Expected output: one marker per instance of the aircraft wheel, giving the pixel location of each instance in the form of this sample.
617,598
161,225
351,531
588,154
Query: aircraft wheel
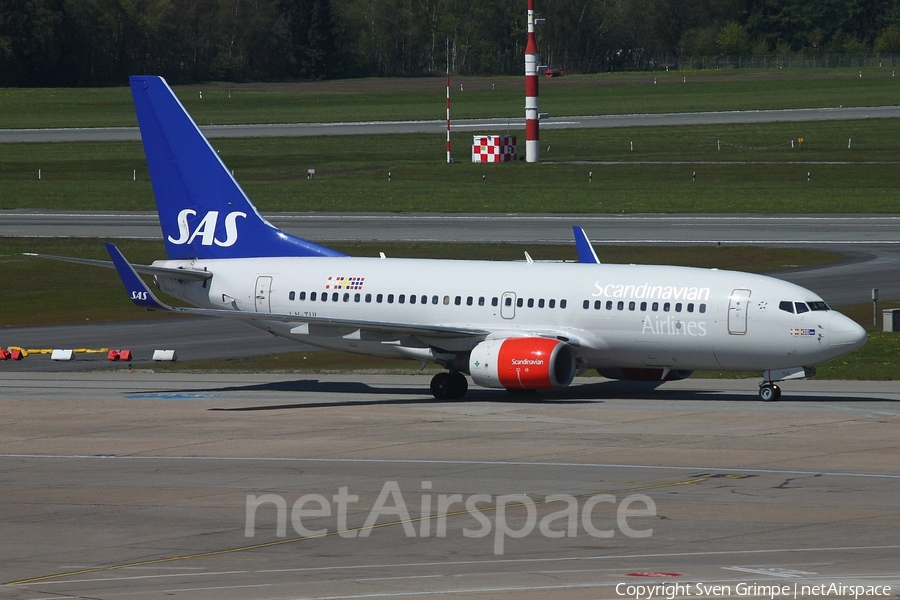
769,392
460,385
447,386
441,385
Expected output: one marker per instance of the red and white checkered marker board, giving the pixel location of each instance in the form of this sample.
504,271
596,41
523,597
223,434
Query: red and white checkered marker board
493,148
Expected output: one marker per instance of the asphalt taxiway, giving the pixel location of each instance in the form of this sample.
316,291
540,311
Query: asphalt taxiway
124,485
110,134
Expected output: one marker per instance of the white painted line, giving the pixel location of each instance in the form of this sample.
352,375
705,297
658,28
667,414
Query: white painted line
134,578
500,463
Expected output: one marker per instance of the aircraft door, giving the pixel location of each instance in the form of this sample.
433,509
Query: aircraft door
263,293
508,305
737,312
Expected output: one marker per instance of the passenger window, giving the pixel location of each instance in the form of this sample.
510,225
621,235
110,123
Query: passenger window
446,300
690,307
324,296
469,301
401,298
368,297
631,305
356,297
424,299
434,299
379,298
346,296
586,304
291,296
481,301
598,304
312,296
609,305
541,303
620,305
552,303
563,303
458,300
702,308
412,298
643,306
495,301
302,295
520,302
678,307
801,307
390,298
667,306
531,303
335,296
655,307
786,306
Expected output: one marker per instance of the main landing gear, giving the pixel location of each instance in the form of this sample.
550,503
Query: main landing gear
769,392
449,386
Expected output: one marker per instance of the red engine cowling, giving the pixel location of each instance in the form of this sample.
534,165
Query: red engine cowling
522,364
635,374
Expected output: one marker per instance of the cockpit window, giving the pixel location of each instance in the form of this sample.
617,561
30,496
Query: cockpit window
786,306
818,306
801,307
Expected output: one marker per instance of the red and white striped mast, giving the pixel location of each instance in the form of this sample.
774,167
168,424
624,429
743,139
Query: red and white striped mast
532,132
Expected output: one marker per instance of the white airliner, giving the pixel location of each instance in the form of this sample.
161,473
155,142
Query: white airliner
514,325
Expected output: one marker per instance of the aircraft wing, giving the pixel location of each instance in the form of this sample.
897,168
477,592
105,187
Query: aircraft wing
145,269
141,295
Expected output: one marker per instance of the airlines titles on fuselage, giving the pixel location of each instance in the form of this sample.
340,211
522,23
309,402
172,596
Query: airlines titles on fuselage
654,324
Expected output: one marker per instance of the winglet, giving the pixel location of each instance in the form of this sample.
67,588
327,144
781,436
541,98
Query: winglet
137,290
586,252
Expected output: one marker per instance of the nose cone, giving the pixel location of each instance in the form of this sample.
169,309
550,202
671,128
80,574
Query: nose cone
845,335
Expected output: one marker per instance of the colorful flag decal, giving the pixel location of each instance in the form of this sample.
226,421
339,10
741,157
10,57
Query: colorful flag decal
344,283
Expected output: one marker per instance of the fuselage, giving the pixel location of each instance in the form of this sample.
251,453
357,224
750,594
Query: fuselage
625,316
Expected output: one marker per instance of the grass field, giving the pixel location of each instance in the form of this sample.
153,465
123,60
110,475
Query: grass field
424,98
746,168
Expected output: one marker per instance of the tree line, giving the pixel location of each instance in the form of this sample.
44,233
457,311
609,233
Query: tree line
98,42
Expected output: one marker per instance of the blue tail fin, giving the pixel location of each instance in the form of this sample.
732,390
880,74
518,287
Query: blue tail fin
203,211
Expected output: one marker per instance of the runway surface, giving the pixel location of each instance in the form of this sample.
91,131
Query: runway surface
109,134
849,230
123,485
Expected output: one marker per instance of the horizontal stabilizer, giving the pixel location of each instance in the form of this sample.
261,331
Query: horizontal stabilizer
183,274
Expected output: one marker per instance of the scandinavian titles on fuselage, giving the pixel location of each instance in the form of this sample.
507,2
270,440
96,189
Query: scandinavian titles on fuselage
650,291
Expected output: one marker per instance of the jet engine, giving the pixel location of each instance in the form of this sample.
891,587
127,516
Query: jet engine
635,374
526,363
